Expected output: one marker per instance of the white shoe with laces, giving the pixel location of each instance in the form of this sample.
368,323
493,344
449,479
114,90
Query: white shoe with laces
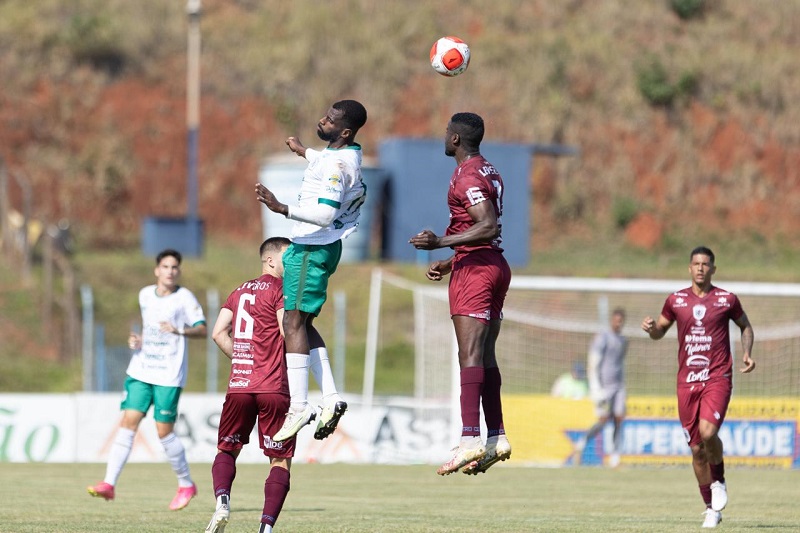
220,517
713,518
497,449
467,451
295,420
719,495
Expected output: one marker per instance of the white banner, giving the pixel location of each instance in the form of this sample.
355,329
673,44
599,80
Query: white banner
80,427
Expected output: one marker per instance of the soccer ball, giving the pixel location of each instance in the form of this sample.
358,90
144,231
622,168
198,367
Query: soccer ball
450,56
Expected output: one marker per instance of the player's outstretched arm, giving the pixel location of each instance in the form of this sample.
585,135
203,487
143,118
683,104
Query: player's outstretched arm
747,344
296,146
266,197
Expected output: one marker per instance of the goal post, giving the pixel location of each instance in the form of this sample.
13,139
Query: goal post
548,325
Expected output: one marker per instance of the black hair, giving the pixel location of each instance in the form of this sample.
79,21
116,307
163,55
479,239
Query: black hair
169,252
273,244
354,114
702,250
470,128
618,311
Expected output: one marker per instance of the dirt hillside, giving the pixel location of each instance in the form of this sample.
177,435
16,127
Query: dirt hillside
93,106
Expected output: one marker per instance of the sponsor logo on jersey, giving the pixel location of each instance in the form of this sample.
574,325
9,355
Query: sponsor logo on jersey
722,301
245,371
697,360
702,375
475,196
335,179
694,347
270,444
238,383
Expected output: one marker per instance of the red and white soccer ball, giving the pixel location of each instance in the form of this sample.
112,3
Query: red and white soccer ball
450,56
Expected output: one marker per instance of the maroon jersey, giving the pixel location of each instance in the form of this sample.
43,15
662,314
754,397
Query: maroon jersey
704,348
258,361
474,181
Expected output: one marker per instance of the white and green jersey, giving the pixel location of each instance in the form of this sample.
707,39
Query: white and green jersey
162,359
333,177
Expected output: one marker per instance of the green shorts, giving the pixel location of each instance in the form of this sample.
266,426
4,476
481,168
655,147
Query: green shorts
306,269
139,396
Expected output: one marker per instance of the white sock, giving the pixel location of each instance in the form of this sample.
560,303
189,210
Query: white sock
265,528
323,375
177,458
297,369
118,454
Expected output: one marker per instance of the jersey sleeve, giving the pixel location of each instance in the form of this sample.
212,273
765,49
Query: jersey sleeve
230,303
194,313
667,311
278,297
311,154
471,190
737,310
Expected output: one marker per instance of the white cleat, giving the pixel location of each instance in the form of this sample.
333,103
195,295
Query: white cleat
295,420
466,452
220,517
719,495
329,418
497,449
713,518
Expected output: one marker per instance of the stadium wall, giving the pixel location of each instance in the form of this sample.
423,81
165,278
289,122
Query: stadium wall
65,428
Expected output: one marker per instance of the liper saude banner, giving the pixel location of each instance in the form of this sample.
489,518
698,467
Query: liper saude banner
542,430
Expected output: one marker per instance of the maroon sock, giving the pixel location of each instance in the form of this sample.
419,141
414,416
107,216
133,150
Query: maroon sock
718,471
471,388
275,490
705,492
223,471
492,406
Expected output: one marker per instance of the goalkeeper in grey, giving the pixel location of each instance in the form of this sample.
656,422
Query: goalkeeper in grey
606,373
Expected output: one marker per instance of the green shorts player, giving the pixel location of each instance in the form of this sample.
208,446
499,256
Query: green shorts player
157,375
328,209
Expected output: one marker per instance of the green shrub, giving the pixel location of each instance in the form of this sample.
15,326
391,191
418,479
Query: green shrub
93,39
687,9
655,84
624,210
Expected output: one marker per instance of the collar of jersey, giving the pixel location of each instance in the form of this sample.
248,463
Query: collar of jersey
354,146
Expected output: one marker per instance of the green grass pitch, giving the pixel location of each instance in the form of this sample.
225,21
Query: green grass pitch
385,499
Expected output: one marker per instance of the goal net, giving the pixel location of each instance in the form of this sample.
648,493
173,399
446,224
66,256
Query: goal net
548,326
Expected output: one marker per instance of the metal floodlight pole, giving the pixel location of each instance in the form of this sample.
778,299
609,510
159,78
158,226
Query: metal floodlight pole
193,103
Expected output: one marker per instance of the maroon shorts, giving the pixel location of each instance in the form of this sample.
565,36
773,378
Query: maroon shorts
478,284
239,414
707,401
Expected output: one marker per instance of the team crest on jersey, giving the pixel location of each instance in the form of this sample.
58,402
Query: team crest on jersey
335,179
699,312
